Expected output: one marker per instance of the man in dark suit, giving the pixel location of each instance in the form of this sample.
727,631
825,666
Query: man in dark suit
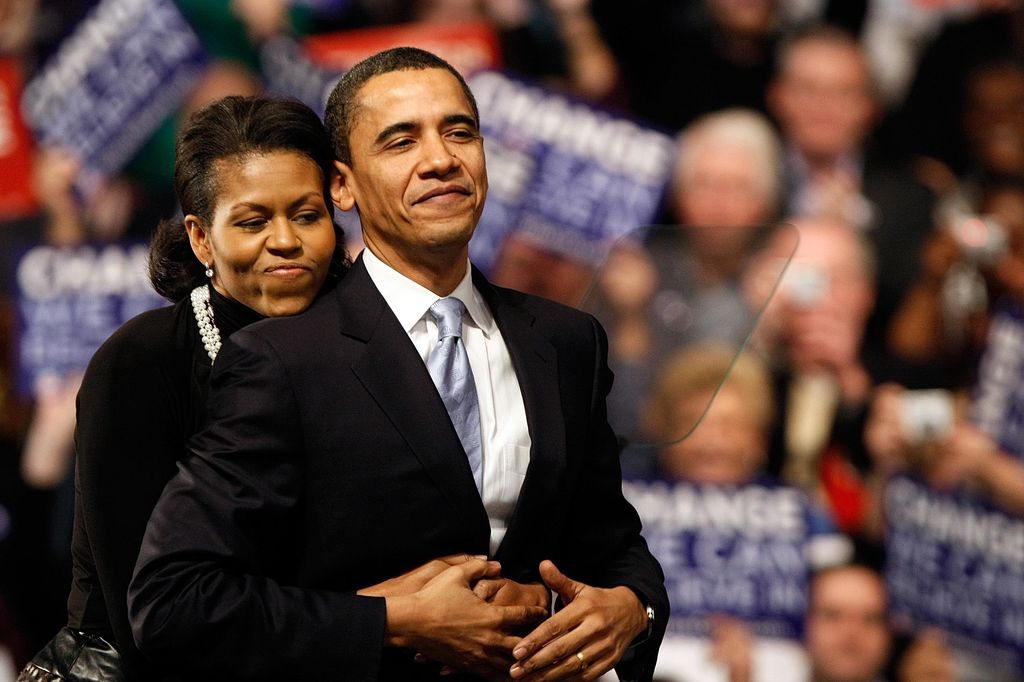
826,105
331,462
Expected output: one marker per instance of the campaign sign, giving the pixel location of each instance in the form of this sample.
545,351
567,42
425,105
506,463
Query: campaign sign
733,550
957,564
126,66
567,174
998,405
16,195
288,70
70,300
468,46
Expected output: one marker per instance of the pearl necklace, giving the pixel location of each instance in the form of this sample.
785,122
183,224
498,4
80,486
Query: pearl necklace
203,310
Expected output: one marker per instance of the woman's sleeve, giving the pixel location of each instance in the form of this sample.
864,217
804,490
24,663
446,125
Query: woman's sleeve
128,436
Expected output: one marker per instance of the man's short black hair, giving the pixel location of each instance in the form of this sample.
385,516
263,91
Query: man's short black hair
342,103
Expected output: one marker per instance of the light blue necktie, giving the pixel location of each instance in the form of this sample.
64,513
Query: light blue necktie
448,365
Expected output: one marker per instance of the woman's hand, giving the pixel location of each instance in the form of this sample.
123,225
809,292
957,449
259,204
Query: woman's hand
414,580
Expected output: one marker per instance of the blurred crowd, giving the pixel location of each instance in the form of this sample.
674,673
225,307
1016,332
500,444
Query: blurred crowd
832,296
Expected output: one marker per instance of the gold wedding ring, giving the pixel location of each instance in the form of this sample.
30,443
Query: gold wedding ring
582,659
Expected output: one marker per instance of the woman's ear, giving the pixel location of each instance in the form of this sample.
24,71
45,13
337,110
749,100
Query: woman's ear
341,186
199,238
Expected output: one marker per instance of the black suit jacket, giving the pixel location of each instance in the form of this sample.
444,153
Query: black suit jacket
329,463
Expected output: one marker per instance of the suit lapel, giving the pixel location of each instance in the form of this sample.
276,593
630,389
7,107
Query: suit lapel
395,376
536,364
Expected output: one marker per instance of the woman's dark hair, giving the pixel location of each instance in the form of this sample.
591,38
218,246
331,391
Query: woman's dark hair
232,128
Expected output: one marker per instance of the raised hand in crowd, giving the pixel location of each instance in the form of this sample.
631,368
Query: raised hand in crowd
884,433
928,659
627,283
732,645
593,71
956,454
828,340
71,219
969,456
16,24
49,443
262,18
54,172
916,331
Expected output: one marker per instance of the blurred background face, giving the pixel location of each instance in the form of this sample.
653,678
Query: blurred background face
721,185
847,633
822,98
745,17
727,446
825,290
995,119
720,197
526,266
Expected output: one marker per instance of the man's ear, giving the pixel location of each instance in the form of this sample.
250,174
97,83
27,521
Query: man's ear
199,238
341,186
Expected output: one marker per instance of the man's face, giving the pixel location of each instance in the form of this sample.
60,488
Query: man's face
721,186
824,298
720,198
417,175
822,99
847,633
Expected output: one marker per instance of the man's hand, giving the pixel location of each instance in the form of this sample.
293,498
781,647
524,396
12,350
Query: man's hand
414,579
446,622
583,640
505,592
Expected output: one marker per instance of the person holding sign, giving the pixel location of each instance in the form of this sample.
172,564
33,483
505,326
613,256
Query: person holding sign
416,410
737,547
257,240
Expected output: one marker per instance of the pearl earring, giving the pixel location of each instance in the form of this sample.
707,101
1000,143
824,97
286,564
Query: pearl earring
209,271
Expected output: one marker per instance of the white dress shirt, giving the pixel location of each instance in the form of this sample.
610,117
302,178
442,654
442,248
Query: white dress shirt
506,441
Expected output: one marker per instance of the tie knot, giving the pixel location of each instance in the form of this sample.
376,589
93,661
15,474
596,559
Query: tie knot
448,314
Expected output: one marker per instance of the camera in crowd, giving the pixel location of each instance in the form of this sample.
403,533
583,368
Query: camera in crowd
805,284
927,415
982,238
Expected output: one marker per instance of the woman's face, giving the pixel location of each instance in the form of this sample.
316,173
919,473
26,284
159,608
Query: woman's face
272,238
726,448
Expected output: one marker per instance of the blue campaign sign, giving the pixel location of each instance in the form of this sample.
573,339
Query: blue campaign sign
734,550
288,71
572,177
126,66
958,564
998,405
70,300
569,175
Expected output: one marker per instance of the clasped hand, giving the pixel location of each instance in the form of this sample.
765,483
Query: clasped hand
586,638
459,611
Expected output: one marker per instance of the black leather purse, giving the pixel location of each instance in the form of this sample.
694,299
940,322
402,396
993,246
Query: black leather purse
73,656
